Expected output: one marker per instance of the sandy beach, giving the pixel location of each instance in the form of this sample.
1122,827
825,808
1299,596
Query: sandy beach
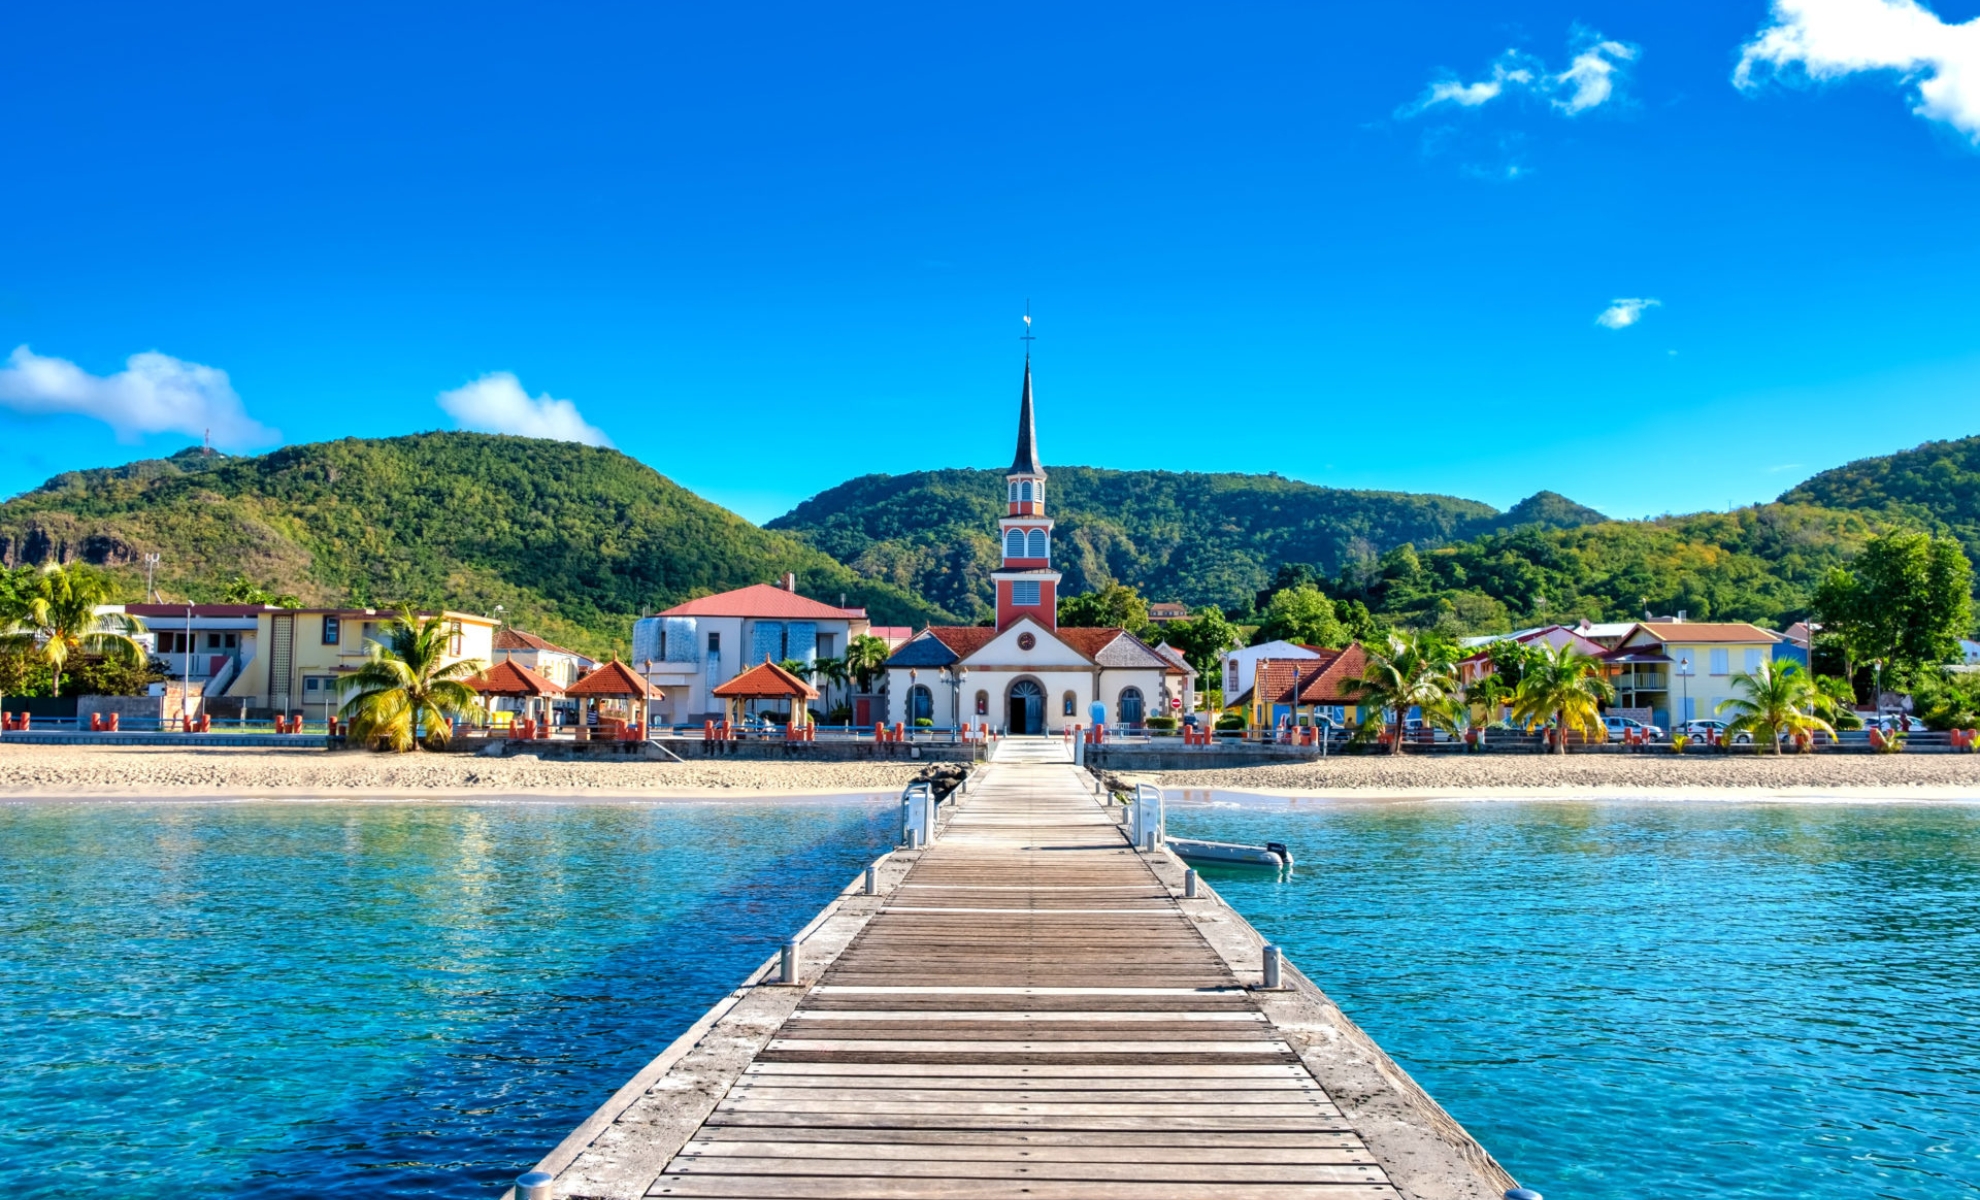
1908,776
138,771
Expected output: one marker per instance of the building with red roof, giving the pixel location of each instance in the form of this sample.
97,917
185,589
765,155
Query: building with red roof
1024,674
696,646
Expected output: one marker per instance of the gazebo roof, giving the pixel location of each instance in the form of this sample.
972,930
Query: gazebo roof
512,679
766,682
614,678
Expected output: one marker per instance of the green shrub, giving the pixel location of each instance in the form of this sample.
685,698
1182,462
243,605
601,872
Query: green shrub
1160,724
924,723
1233,722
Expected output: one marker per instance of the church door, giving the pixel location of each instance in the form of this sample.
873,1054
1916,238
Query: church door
1027,714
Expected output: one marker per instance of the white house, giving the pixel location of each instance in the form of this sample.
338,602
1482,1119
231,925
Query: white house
692,648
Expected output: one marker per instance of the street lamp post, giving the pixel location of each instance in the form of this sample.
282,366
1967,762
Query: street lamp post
961,674
1684,685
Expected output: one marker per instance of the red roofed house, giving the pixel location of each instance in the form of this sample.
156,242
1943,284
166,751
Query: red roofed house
1026,675
691,648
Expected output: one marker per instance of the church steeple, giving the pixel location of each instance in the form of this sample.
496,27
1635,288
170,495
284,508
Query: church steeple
1026,460
1027,586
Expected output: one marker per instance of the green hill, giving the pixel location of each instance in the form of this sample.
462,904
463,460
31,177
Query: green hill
1933,485
1198,538
574,541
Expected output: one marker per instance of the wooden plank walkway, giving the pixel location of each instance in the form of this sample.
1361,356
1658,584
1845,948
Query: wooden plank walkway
1028,1016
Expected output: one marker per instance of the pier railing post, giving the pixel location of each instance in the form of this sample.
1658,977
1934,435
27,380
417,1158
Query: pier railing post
1189,884
872,881
1271,965
788,969
534,1185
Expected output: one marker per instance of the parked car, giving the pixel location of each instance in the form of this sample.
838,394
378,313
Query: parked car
1618,725
1703,728
1891,722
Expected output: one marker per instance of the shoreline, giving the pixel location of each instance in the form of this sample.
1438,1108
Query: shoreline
71,773
1906,794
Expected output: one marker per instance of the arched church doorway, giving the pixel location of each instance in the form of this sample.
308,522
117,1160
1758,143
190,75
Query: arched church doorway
1027,707
1130,706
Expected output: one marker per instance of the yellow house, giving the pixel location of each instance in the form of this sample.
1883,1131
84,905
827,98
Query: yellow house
1669,672
302,654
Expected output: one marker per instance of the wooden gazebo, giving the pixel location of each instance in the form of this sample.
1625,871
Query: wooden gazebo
517,682
616,681
767,682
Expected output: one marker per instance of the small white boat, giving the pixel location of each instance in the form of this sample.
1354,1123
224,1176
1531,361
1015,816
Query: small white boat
1271,854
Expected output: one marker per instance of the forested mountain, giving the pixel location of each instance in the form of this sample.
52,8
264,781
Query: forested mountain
574,541
1199,538
1756,564
1937,483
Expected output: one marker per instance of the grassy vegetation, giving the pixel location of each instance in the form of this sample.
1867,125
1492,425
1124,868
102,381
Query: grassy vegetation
572,540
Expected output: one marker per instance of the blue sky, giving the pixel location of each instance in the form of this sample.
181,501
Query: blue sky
765,248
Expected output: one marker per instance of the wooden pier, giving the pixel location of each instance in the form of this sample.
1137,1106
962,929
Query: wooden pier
1029,1012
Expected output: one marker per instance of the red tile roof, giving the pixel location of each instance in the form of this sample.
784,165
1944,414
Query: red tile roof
767,681
963,640
614,679
507,638
761,600
1329,679
1090,642
513,679
1337,681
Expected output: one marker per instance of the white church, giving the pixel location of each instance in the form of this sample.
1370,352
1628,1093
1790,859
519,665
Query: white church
1026,675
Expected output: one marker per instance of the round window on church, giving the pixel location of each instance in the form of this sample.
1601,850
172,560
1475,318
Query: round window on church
1026,641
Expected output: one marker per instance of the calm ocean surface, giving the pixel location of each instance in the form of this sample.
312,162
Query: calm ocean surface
1620,1000
1633,1000
290,1000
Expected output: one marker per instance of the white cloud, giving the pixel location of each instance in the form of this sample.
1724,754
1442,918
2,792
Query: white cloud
154,393
1589,81
496,403
1621,314
1828,39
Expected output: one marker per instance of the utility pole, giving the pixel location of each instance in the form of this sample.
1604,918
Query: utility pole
150,570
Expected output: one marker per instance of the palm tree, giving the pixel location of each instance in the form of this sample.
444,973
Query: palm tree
1564,686
57,618
865,656
1835,702
406,692
1775,700
1406,676
1490,693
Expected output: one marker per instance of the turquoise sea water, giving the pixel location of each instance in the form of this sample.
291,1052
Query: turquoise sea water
290,1000
1631,1000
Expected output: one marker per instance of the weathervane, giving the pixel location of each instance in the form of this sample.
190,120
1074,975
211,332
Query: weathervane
1026,337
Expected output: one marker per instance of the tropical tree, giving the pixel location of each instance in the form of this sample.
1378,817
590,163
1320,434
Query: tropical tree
1566,687
1835,702
406,693
54,618
866,655
1406,675
1116,606
1489,693
1779,699
1904,603
1304,615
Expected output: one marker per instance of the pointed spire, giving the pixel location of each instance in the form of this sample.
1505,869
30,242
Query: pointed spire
1026,461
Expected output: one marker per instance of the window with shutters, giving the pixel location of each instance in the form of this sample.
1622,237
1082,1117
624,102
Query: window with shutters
1753,660
1721,662
332,630
1024,593
1014,544
1037,544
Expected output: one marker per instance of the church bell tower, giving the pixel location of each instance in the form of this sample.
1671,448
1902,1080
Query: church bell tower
1027,586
